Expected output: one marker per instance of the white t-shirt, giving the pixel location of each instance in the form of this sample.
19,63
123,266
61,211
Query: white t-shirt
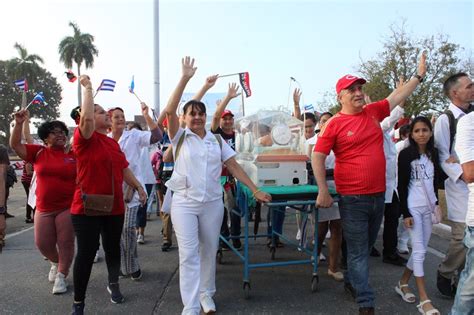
421,180
465,149
146,168
198,168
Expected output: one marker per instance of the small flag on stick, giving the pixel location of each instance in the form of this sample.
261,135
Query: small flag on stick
38,99
309,108
70,76
245,83
107,85
131,89
22,84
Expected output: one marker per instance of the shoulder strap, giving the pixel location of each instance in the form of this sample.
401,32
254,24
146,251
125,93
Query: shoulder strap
178,146
452,128
219,139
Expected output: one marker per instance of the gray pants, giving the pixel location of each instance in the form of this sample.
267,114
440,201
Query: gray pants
456,256
128,243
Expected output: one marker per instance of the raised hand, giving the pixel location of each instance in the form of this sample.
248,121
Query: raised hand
297,96
422,65
145,109
211,80
188,69
85,81
21,116
233,90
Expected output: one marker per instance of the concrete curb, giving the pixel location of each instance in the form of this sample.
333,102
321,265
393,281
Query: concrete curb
442,230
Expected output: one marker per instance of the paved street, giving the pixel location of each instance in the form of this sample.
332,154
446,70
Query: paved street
24,288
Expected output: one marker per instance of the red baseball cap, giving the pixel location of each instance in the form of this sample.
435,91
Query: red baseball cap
346,81
226,112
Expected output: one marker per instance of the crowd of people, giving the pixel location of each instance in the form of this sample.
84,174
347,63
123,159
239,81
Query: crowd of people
101,183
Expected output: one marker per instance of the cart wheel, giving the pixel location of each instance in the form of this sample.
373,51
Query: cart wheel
314,283
220,257
272,251
246,290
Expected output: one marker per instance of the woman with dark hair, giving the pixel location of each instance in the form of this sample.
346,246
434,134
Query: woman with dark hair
132,142
55,167
418,170
197,206
101,170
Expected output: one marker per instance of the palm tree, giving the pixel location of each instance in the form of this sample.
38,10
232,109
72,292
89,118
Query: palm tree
26,66
79,49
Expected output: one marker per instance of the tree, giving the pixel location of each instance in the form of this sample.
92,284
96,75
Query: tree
10,98
80,49
399,58
26,66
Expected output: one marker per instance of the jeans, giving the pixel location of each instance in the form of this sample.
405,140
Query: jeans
464,300
276,218
142,209
88,231
361,218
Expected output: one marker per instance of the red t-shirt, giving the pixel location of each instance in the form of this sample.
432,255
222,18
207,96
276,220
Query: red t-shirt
97,158
55,176
357,142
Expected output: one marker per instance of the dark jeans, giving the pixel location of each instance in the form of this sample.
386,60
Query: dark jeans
234,224
276,219
390,229
361,218
141,213
29,209
88,230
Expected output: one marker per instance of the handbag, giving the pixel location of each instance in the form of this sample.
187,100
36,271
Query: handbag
436,214
98,204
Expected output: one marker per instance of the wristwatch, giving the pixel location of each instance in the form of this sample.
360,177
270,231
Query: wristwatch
419,77
3,210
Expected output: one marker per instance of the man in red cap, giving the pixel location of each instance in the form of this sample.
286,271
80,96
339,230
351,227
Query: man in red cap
355,136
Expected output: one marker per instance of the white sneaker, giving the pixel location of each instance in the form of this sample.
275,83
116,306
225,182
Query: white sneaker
141,239
322,257
60,285
298,235
96,258
52,272
207,303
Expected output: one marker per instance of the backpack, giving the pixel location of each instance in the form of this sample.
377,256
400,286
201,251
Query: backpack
11,176
452,133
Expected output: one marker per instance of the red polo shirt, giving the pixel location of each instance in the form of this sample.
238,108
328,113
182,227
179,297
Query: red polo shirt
97,158
55,176
357,142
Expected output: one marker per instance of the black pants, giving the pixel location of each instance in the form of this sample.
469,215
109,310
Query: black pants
88,230
29,209
390,236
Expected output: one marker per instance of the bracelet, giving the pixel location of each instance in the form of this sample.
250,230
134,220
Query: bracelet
253,195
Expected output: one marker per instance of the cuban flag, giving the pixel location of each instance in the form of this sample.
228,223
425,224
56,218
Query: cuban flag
39,99
107,85
22,84
309,108
132,85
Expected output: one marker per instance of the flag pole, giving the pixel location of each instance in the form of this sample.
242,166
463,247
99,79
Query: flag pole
243,105
96,92
23,99
29,104
137,97
227,75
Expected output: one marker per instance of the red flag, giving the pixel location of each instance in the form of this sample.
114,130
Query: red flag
245,83
71,76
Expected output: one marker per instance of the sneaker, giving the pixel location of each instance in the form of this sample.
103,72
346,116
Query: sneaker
97,257
116,296
322,257
141,239
60,285
350,289
402,249
53,272
298,235
29,220
445,286
237,244
207,303
165,247
374,252
137,275
394,259
78,308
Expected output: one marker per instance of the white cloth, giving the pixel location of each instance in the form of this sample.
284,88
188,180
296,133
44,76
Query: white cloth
421,180
197,170
146,169
390,152
465,150
132,142
400,145
420,234
456,189
197,226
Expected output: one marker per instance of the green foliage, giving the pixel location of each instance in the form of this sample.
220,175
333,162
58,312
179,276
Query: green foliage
11,97
78,49
399,58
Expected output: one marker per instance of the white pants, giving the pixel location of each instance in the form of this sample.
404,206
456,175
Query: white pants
403,235
197,226
420,234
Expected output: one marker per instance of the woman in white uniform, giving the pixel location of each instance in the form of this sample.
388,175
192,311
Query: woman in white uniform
197,207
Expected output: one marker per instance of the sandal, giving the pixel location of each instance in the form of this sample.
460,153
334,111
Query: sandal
408,296
432,311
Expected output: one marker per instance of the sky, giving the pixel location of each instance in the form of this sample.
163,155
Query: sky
316,42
